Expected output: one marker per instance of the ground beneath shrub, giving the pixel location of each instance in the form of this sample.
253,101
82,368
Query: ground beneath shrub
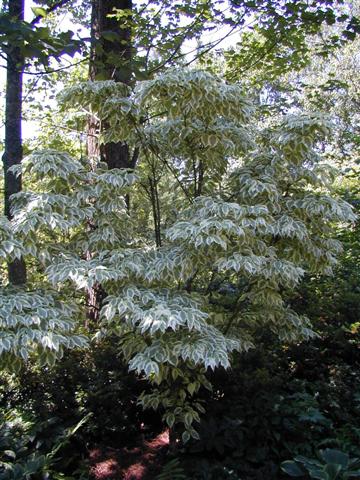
142,462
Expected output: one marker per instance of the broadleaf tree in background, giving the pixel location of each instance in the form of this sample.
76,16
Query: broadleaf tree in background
253,213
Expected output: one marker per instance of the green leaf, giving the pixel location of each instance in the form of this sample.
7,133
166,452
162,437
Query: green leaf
185,436
191,388
188,419
319,475
292,468
10,453
333,471
39,12
170,419
335,456
110,36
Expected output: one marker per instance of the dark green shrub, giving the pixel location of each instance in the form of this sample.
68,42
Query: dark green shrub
34,450
330,465
281,402
94,381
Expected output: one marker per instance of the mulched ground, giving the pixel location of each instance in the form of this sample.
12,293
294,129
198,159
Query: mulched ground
142,462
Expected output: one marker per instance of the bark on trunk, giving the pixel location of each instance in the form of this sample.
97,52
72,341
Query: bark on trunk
13,138
109,60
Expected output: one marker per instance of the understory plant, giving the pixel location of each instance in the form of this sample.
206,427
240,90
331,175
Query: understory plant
188,252
331,464
30,449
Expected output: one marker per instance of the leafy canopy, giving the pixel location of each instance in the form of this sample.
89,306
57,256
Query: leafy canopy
254,214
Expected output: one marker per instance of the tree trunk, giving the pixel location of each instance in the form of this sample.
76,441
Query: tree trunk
13,139
109,60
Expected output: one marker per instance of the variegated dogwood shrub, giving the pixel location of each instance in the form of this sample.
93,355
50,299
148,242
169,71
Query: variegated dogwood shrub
231,216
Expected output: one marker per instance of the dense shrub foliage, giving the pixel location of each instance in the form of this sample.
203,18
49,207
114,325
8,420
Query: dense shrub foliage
212,290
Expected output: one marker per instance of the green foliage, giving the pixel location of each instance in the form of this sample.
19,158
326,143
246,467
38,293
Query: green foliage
277,41
10,247
93,382
287,37
171,471
36,322
27,451
331,465
36,43
198,251
255,212
333,302
278,403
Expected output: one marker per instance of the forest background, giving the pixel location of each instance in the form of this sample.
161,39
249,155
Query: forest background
175,300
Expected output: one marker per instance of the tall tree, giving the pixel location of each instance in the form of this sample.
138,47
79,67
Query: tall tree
21,41
13,139
110,59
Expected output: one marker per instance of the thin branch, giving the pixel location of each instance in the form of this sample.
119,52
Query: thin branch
232,317
182,38
259,59
46,72
144,120
33,87
212,45
164,161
